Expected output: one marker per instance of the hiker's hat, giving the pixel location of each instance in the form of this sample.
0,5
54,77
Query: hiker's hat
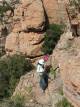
41,61
46,57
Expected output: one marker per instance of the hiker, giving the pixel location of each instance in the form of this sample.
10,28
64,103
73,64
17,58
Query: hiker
41,65
42,76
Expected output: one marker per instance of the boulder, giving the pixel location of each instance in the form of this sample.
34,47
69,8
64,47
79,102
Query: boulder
33,17
26,43
29,16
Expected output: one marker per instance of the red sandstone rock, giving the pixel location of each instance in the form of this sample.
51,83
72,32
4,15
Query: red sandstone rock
25,43
52,10
33,15
56,10
28,16
67,55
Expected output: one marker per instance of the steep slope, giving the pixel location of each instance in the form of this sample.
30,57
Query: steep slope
67,55
34,97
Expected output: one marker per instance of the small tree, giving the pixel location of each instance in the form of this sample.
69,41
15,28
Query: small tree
63,103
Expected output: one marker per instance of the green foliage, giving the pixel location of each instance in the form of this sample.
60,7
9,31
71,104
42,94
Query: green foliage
63,103
3,9
11,70
29,89
60,90
76,4
51,38
53,72
58,29
2,51
17,101
30,95
68,45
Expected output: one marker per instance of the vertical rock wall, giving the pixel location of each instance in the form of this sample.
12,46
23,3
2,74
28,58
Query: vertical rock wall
56,10
28,29
67,55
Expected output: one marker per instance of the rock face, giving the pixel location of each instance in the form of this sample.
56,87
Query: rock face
26,43
52,10
28,24
31,15
56,10
67,55
28,21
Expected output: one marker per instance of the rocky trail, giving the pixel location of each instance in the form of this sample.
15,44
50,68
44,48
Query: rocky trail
29,87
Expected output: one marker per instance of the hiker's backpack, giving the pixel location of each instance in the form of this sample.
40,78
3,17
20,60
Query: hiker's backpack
44,81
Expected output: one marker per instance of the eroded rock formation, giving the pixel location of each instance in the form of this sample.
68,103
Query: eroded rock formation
52,10
26,43
30,15
67,55
28,26
26,37
30,18
56,10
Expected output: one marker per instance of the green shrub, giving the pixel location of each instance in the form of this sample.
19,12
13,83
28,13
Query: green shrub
63,103
17,101
51,38
2,52
29,89
53,72
4,8
60,90
11,70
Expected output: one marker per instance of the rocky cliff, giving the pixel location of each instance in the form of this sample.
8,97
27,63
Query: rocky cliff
29,23
67,55
56,10
26,29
